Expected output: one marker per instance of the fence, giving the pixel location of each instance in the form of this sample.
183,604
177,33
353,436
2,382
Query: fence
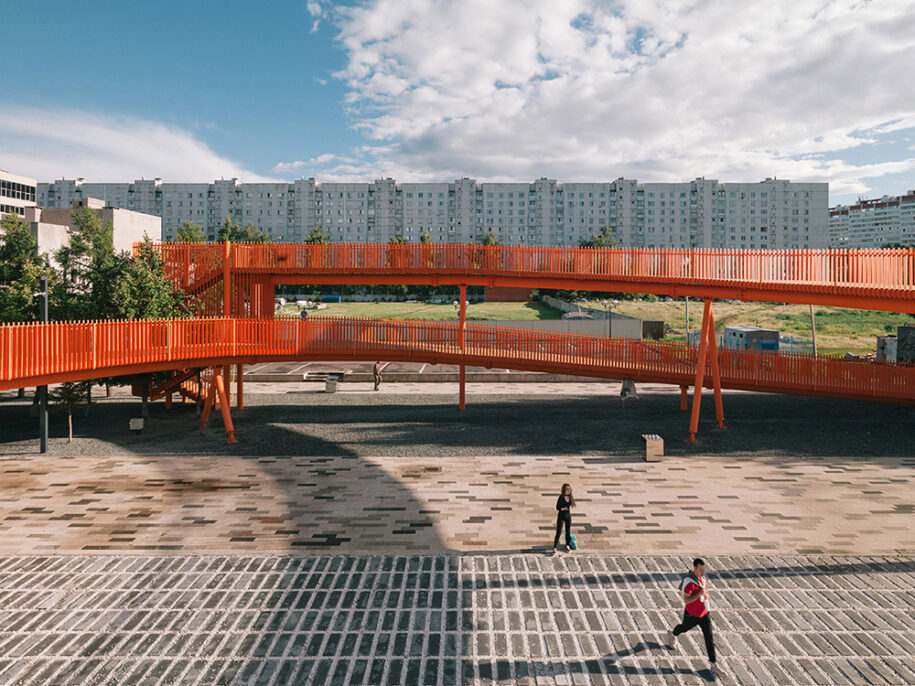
875,269
31,354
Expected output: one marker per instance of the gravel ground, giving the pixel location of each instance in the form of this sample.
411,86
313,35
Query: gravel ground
314,423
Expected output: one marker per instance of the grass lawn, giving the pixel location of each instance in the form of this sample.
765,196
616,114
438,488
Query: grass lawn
839,330
422,311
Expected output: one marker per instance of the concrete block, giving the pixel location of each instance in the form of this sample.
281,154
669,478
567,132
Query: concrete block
654,447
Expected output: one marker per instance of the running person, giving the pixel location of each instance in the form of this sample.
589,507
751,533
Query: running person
564,504
694,587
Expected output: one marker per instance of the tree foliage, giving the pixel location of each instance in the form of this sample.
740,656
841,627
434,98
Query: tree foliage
189,232
490,239
425,237
143,292
231,231
317,237
68,396
89,270
20,270
605,239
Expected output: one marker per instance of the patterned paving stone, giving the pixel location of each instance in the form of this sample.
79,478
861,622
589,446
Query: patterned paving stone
349,504
445,619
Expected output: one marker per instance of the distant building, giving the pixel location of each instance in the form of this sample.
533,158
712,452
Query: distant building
749,338
16,193
51,227
774,213
889,220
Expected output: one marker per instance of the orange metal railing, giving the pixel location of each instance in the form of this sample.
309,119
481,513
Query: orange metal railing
855,272
33,354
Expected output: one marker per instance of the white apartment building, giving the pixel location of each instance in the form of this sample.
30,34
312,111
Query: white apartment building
51,228
16,193
877,223
704,213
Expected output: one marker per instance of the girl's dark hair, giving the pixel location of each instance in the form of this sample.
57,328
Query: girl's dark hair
562,491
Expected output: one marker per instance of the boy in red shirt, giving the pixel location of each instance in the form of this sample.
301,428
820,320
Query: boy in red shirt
695,613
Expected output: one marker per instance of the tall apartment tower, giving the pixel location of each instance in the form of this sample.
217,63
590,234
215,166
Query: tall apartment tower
703,213
876,223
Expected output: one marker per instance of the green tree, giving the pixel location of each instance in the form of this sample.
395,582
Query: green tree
397,240
68,396
425,237
252,234
231,231
142,289
490,239
605,239
20,270
89,270
317,237
189,232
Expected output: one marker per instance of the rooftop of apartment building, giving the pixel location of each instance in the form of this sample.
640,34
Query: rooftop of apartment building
874,203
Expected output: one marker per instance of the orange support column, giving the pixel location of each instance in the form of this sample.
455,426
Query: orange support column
208,404
224,407
716,376
463,328
267,309
239,387
227,381
227,279
700,373
683,397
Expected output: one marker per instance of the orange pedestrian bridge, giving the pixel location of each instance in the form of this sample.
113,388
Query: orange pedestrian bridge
863,279
38,354
234,289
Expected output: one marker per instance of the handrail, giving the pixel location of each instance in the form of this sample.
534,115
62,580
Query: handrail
886,269
32,354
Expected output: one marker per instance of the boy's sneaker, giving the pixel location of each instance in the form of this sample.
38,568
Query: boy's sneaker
716,670
555,553
671,640
568,549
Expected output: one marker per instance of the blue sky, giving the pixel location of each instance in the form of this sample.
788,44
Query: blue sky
243,80
436,89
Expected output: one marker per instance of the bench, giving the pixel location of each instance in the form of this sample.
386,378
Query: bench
654,447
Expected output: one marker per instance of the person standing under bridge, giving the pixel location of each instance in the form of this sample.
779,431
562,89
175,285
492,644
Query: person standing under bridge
376,374
564,506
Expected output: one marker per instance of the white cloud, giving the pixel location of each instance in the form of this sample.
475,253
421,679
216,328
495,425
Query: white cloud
285,167
655,89
49,145
315,10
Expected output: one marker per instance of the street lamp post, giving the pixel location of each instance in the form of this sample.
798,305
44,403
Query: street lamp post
608,306
43,390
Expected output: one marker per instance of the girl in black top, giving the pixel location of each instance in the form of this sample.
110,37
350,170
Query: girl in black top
564,505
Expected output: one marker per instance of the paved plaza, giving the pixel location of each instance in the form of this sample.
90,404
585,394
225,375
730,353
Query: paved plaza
510,619
390,539
346,504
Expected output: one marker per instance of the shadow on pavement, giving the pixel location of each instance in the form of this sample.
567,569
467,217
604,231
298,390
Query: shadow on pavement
404,425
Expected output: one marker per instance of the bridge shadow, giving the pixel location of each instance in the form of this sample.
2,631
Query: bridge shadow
594,427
